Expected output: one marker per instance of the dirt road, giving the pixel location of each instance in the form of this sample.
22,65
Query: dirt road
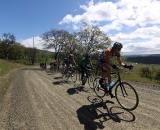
37,100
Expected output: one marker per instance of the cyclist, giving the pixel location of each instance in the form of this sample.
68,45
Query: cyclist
85,67
107,65
69,62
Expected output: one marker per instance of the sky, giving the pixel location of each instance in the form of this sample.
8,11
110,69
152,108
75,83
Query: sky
134,23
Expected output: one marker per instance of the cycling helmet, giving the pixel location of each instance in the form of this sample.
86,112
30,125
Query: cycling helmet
117,45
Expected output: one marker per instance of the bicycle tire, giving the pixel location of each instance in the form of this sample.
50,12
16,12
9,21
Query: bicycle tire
126,88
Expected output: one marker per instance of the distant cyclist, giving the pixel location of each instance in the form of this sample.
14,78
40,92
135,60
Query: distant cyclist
107,64
69,62
85,66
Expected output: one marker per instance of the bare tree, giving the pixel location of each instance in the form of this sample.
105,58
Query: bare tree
59,40
91,38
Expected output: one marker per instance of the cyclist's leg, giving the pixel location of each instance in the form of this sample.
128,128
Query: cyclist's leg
102,81
106,75
108,69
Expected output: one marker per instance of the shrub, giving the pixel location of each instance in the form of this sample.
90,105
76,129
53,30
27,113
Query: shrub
157,75
146,72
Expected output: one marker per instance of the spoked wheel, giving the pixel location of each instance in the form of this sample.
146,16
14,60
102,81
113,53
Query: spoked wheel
74,76
66,77
98,89
126,96
90,82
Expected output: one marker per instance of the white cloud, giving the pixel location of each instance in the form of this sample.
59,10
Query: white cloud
38,43
112,26
93,13
29,42
149,40
127,12
142,33
150,47
140,17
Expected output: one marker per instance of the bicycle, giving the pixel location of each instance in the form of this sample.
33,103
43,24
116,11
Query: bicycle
68,73
88,78
124,92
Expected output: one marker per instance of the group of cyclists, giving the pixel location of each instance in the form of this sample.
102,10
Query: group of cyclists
105,62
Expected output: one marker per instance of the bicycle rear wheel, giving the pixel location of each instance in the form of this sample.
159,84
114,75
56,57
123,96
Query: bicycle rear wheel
91,82
99,91
126,96
74,76
66,77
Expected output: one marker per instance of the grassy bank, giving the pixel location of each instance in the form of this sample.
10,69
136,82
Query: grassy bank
7,66
139,73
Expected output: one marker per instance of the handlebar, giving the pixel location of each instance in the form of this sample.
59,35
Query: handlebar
130,67
117,69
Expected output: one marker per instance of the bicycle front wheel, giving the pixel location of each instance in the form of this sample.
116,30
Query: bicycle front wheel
126,96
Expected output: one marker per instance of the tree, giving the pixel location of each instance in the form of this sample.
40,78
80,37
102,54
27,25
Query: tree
59,40
91,38
7,40
16,52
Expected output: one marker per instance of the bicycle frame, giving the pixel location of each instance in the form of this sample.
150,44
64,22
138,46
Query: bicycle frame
118,81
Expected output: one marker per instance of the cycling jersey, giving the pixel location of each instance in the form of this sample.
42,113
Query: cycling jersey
109,56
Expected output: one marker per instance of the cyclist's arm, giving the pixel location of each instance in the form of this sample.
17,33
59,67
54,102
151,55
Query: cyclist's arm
123,64
120,61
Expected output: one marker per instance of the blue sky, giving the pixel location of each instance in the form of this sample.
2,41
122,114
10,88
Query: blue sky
26,18
135,23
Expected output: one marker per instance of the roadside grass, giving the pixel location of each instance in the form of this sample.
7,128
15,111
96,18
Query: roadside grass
7,66
135,74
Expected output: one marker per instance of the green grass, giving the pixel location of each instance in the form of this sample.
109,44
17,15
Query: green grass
135,74
6,66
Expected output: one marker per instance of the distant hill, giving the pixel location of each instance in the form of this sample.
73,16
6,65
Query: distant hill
145,59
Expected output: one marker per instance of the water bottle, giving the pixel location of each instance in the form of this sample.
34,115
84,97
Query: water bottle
109,85
112,83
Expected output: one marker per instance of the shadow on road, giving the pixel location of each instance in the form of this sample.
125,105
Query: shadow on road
94,115
58,77
59,82
76,90
32,68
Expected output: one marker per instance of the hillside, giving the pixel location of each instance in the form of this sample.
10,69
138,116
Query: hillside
145,59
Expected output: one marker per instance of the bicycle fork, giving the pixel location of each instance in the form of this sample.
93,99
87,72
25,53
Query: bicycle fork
124,93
